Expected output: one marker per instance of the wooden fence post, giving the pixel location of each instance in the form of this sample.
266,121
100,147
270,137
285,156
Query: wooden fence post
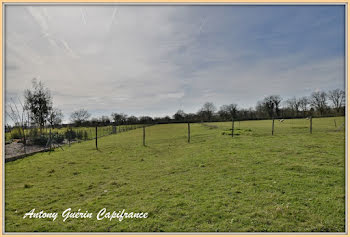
50,139
335,123
273,126
144,136
24,141
233,126
310,124
69,135
189,132
96,137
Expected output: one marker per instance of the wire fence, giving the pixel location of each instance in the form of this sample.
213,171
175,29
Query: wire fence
27,141
50,138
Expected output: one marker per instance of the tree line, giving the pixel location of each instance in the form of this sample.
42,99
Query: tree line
38,110
318,104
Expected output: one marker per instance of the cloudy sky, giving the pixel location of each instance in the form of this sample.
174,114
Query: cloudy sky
154,60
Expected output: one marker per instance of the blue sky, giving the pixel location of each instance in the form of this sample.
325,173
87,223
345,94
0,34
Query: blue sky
154,60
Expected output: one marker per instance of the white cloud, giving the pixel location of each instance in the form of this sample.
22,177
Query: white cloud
152,59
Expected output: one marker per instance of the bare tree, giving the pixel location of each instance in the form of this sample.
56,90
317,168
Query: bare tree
179,115
208,110
39,102
132,120
18,118
319,101
231,109
145,120
119,118
55,117
304,102
223,113
261,110
105,120
271,105
276,100
79,116
337,97
94,121
13,113
294,105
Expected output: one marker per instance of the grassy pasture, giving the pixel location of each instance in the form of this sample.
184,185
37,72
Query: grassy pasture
292,181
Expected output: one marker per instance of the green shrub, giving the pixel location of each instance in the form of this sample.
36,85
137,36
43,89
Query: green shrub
34,132
79,134
86,136
16,133
40,140
70,134
58,138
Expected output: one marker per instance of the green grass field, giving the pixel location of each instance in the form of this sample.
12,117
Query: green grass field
292,181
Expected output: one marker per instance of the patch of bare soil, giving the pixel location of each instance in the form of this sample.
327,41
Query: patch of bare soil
15,149
209,125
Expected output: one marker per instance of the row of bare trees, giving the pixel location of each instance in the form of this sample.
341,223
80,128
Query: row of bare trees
318,103
38,110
